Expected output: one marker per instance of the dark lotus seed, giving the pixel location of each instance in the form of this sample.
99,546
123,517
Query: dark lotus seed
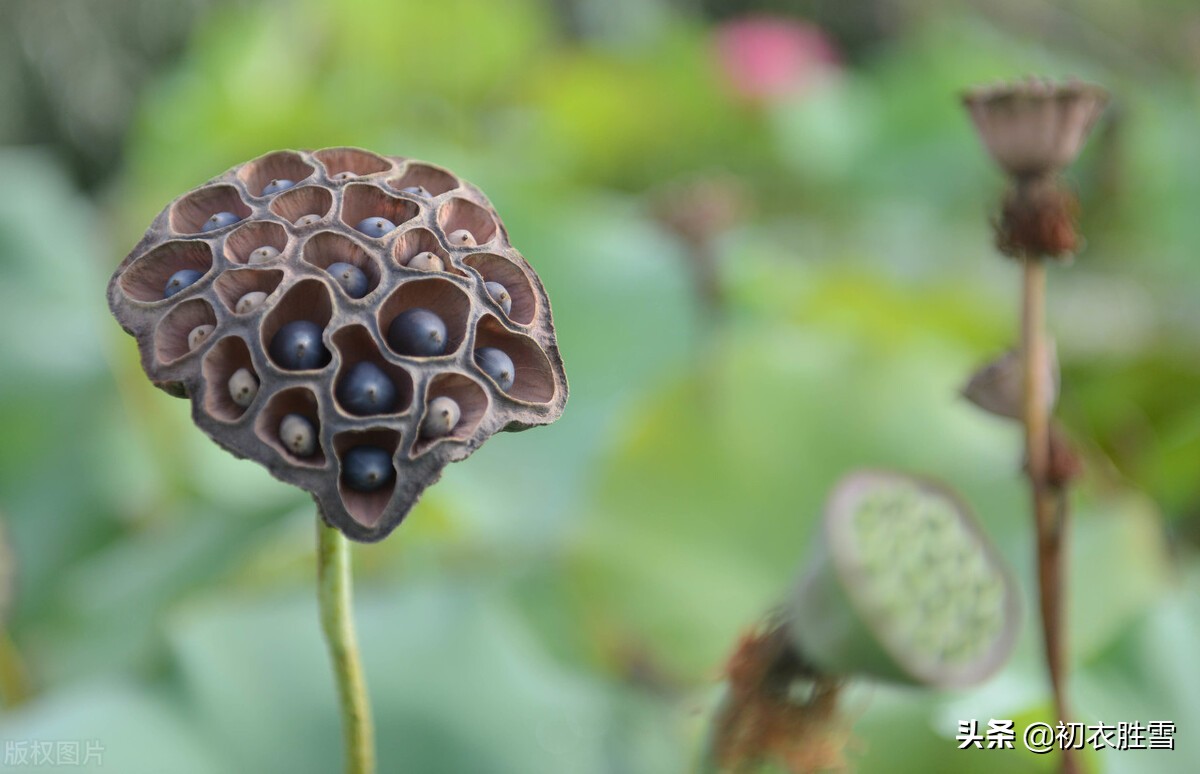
440,418
497,365
366,389
298,435
500,295
415,190
307,220
243,386
249,302
375,227
426,261
417,332
263,254
461,238
367,468
180,280
350,277
219,220
275,186
298,346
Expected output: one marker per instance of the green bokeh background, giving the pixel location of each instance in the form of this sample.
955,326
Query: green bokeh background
563,601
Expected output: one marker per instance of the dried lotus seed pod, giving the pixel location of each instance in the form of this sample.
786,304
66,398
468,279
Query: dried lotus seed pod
286,333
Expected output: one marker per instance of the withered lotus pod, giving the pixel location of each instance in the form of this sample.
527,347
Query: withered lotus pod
1034,128
312,226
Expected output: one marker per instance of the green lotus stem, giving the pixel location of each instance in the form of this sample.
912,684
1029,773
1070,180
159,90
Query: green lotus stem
337,621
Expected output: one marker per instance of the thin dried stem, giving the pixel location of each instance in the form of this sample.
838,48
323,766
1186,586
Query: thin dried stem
1049,504
337,621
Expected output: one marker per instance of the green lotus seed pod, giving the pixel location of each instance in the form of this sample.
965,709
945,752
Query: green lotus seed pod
243,386
199,335
426,261
264,253
461,238
249,302
298,435
440,418
903,585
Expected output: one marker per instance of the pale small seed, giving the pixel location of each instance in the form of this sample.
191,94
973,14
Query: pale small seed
441,417
298,435
250,302
264,253
462,238
199,335
426,261
243,387
307,220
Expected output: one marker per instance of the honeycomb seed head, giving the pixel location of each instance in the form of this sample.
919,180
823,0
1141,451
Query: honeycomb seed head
1035,127
903,586
283,332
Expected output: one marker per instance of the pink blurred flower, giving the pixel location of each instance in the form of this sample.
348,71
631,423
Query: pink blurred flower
764,58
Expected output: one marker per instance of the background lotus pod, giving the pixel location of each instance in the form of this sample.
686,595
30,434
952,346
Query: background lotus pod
903,586
1035,127
998,387
335,189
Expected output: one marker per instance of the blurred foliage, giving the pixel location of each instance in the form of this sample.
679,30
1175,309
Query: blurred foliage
563,600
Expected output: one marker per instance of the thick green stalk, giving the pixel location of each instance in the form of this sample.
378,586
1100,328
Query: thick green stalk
334,593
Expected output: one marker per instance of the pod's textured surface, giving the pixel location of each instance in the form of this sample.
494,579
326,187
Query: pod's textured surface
308,227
